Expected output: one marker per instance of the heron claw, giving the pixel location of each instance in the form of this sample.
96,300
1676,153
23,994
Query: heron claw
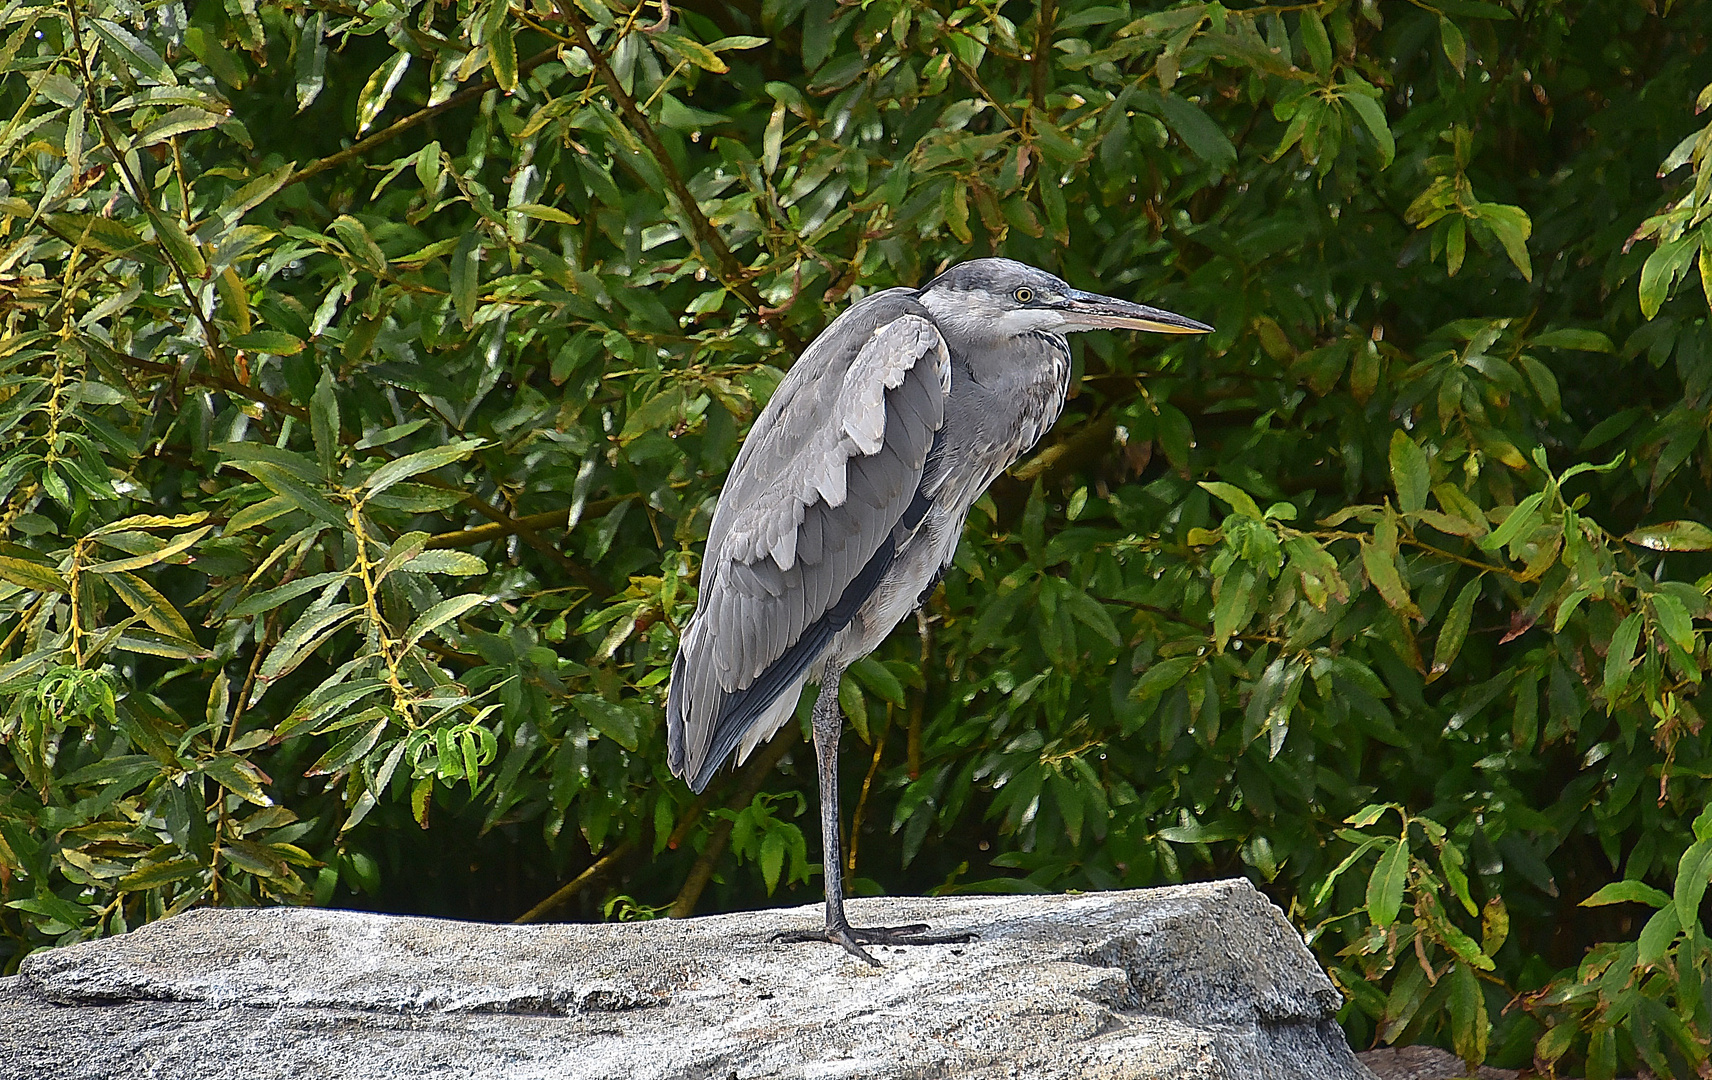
852,938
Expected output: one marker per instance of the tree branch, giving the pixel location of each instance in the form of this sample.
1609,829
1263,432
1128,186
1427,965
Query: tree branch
576,884
730,271
496,530
421,116
752,777
1041,61
867,788
719,837
141,193
973,78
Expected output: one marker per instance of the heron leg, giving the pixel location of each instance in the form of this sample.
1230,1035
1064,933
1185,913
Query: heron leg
828,726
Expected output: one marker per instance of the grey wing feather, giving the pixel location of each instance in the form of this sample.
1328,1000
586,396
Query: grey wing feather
826,474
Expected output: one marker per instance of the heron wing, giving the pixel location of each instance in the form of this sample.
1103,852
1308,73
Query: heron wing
804,529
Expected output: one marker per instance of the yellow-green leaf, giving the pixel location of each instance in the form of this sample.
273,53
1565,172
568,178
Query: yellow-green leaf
146,600
133,53
441,614
31,575
543,213
1674,620
1455,46
501,47
693,51
420,462
1693,871
257,514
1238,499
137,562
234,298
158,874
1620,656
177,122
284,482
238,776
1385,884
1382,571
378,90
180,248
276,342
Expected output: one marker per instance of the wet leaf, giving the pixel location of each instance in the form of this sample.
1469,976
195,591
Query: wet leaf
378,91
1455,629
1673,536
311,63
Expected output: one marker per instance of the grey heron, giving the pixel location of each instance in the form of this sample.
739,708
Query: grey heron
846,502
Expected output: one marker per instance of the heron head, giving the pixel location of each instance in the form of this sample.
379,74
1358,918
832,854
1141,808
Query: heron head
1003,298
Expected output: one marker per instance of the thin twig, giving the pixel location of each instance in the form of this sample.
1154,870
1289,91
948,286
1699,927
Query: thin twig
730,271
1093,434
421,116
1409,541
918,702
583,575
141,193
481,534
269,625
867,786
974,80
576,884
26,617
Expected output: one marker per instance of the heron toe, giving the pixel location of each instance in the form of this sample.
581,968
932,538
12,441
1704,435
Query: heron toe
852,938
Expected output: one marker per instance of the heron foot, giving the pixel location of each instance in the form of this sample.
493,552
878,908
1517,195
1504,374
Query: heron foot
852,938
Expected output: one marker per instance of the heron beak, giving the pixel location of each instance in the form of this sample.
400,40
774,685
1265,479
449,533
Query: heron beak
1091,311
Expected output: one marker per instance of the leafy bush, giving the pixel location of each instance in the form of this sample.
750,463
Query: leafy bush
368,373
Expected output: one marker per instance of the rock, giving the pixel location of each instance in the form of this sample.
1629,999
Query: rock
1196,982
1426,1063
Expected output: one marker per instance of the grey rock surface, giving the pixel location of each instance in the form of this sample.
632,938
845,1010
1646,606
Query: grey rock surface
1197,982
1426,1063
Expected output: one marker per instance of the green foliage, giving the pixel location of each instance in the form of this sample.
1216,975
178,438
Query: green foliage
368,374
758,835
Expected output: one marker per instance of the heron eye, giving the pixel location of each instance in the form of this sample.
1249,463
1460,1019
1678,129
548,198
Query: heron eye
1023,296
